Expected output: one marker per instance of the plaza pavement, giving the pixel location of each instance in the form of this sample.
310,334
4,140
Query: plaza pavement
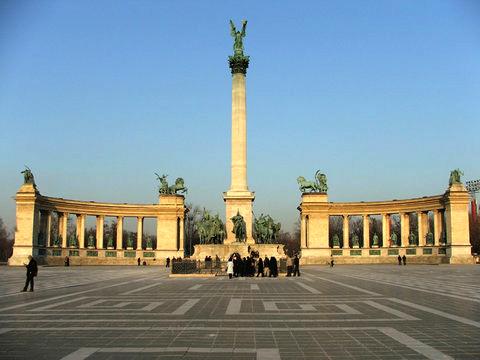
348,312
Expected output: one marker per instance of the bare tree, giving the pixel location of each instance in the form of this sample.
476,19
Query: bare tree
6,242
191,236
475,233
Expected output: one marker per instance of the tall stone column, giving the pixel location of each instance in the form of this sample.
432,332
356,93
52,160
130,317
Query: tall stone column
385,230
238,199
99,231
48,235
139,232
422,228
62,226
303,232
346,235
182,234
119,232
404,228
81,230
366,231
437,226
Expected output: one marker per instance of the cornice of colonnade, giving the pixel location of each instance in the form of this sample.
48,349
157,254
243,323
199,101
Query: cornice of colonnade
171,205
312,203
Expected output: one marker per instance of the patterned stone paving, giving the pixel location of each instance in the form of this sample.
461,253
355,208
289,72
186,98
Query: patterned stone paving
348,312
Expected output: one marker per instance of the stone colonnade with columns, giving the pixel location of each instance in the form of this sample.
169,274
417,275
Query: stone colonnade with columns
33,235
447,240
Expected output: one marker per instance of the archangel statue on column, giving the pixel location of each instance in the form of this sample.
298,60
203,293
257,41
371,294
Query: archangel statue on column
238,36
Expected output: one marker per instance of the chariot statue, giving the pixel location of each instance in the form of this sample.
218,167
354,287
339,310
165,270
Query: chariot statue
239,227
455,177
164,189
317,186
28,176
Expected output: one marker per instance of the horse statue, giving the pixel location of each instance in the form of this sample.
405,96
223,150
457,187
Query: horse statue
319,185
455,177
179,186
210,229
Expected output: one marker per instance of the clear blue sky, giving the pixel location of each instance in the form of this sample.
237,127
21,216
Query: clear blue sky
96,96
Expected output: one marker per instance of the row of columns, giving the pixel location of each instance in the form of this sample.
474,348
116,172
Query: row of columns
386,229
46,223
404,228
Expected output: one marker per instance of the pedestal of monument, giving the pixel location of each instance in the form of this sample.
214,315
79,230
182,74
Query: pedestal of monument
224,251
239,202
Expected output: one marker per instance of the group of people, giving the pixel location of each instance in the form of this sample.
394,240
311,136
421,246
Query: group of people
251,266
402,259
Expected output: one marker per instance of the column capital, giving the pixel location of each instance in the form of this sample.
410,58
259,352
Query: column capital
238,64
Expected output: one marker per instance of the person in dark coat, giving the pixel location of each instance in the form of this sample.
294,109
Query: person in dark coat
32,271
236,266
67,261
138,261
273,267
296,266
404,258
399,258
168,262
260,267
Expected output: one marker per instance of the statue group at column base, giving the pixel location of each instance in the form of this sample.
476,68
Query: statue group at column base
224,251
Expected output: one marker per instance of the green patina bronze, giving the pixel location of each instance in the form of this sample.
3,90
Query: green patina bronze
129,241
355,241
336,241
239,61
394,239
28,176
317,186
430,239
110,242
239,227
164,189
91,241
375,240
210,229
455,177
412,239
149,243
265,230
57,240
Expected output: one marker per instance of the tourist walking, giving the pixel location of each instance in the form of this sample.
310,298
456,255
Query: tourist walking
332,263
168,262
260,267
399,258
404,258
266,266
289,266
230,268
67,261
138,261
32,271
296,266
273,267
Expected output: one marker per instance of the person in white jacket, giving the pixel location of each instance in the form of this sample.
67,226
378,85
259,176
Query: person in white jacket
230,268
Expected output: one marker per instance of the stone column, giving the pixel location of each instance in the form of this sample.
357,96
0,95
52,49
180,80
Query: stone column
182,234
422,228
62,227
48,235
81,230
119,233
404,228
437,226
346,235
366,231
99,231
139,232
239,199
303,233
385,230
